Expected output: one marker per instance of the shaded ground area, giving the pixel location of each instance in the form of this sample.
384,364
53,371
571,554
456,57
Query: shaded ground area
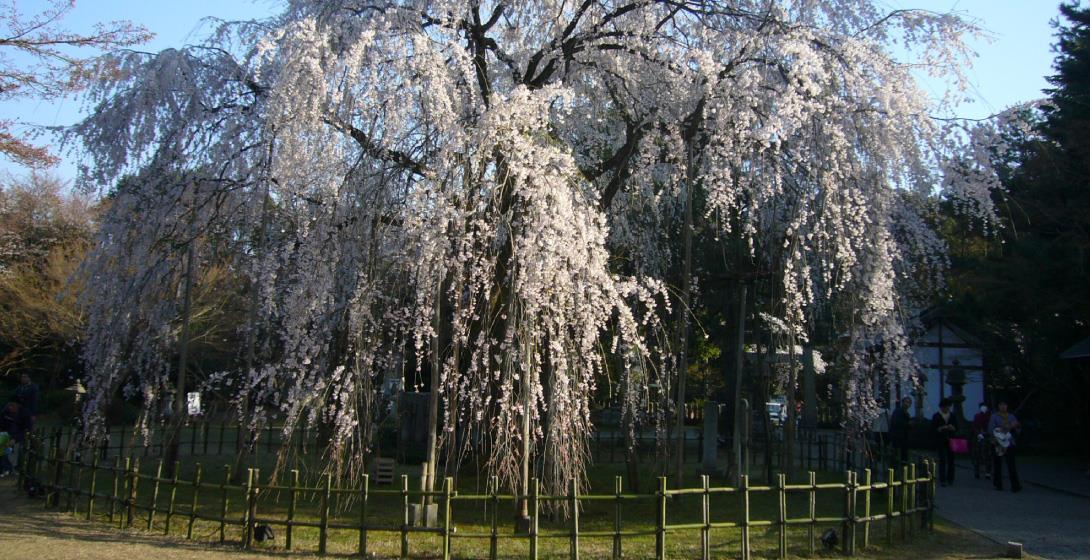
29,531
1050,523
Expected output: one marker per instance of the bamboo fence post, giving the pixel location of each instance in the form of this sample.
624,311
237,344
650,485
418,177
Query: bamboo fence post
75,485
404,516
660,521
573,502
289,527
904,502
744,493
912,499
931,497
846,518
195,503
93,486
535,489
866,508
447,484
889,505
173,495
781,517
155,493
706,517
134,483
224,503
617,487
853,492
114,497
813,511
494,483
323,527
247,518
54,498
363,513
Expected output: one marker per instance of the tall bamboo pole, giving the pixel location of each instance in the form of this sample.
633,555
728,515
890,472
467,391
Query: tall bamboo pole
739,357
683,319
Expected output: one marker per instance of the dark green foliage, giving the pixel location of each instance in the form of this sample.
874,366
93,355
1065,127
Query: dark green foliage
1026,290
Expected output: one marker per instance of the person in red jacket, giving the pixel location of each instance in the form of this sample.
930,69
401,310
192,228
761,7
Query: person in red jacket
981,442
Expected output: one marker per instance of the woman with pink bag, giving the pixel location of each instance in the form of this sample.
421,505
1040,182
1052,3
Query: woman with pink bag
944,424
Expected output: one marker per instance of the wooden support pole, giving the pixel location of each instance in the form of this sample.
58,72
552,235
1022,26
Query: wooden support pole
114,496
364,489
904,502
781,517
323,527
448,484
890,474
660,521
225,502
866,508
743,491
248,518
706,518
617,490
289,529
404,516
811,529
134,483
535,510
494,502
155,493
573,503
93,487
173,495
194,504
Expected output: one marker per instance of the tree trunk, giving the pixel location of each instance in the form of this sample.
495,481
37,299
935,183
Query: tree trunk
739,359
683,322
178,419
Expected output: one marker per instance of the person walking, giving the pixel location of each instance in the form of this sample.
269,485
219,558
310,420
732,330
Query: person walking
898,428
1004,427
944,424
982,442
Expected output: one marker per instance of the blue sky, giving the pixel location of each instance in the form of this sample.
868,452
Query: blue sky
1009,69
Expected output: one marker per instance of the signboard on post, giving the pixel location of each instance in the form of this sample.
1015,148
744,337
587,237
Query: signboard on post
193,403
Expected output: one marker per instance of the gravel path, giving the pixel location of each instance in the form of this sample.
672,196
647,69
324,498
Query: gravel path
1050,524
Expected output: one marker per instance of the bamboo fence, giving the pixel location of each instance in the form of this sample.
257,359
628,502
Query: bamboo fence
122,488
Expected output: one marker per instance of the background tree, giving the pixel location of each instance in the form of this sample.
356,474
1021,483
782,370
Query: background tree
1025,289
494,193
40,59
44,234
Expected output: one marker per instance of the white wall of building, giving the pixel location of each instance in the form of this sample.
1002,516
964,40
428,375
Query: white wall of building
931,360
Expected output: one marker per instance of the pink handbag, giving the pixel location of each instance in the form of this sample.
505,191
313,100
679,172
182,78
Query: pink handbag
959,445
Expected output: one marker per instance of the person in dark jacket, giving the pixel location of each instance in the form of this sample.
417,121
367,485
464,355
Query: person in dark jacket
26,394
944,424
898,428
17,423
